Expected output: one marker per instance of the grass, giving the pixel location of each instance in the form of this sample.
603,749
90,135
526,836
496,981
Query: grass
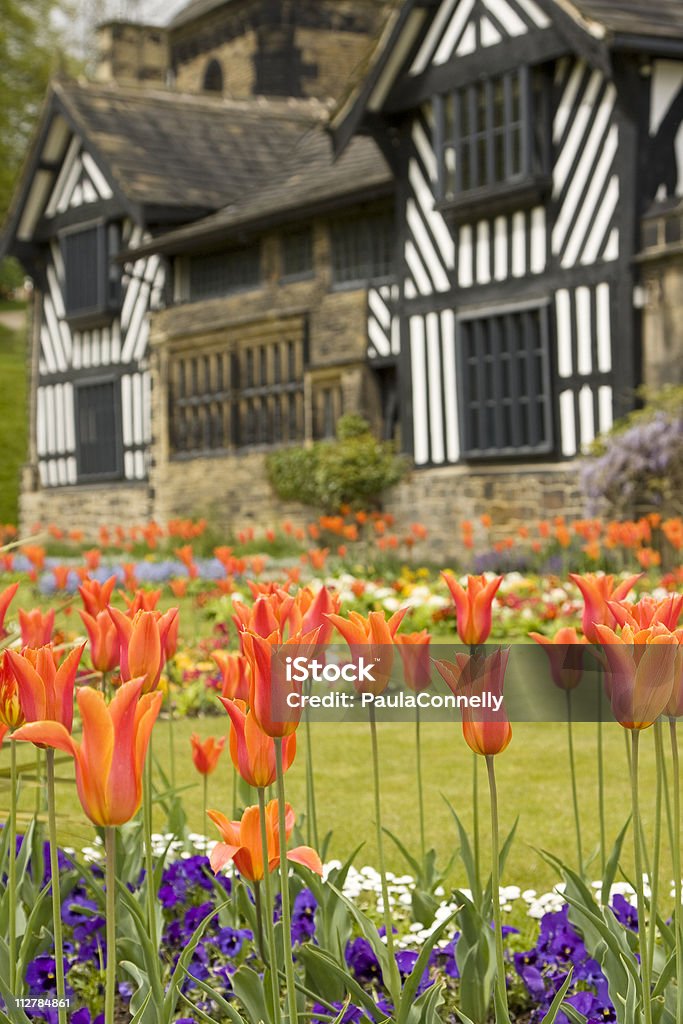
13,417
533,783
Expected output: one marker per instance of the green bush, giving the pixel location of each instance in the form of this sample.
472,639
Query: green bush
354,470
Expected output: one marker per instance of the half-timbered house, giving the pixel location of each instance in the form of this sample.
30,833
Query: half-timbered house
488,269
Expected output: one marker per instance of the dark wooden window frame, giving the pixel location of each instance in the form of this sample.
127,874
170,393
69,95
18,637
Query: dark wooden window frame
482,349
242,272
362,249
492,141
296,250
81,386
101,269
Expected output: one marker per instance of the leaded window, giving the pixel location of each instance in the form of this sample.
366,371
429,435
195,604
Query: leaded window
92,278
362,248
226,400
222,273
328,406
297,254
492,133
98,441
505,397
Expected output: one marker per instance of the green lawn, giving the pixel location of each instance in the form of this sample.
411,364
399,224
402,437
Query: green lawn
13,417
533,783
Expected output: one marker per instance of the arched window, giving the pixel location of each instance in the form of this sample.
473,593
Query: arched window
213,77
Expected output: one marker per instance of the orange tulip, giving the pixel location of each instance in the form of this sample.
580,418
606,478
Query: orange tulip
648,611
36,628
269,613
473,605
251,749
597,590
674,708
104,641
565,654
473,675
46,692
414,651
268,689
111,756
314,612
235,671
142,644
142,600
242,843
640,672
5,599
205,754
11,714
373,638
96,596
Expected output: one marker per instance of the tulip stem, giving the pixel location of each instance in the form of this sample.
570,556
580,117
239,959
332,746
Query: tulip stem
171,744
495,891
284,878
110,984
601,787
637,851
676,856
268,910
654,880
310,788
205,793
394,982
259,922
572,772
12,871
149,859
54,876
234,792
475,825
39,788
420,795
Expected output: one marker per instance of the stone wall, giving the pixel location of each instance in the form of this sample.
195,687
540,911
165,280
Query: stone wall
512,495
84,507
309,48
663,319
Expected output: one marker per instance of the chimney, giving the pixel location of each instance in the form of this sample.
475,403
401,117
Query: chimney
131,53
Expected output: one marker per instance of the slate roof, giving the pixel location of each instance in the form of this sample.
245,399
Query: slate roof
636,17
194,9
311,180
172,149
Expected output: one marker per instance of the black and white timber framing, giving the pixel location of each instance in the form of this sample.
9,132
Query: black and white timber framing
515,307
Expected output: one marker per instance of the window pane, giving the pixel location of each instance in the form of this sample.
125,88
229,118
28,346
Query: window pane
98,441
503,362
362,248
221,273
297,253
84,273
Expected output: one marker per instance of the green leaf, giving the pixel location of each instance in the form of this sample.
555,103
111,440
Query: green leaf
249,989
308,953
414,864
137,1018
556,1004
424,1010
369,931
613,863
573,1015
171,1000
234,1015
413,980
466,855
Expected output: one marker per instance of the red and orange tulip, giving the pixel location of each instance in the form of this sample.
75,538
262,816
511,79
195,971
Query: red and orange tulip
205,753
268,689
473,605
414,651
142,640
373,638
565,654
104,640
95,595
11,714
5,600
111,756
648,611
242,843
640,672
488,732
252,750
46,692
597,589
235,672
36,628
